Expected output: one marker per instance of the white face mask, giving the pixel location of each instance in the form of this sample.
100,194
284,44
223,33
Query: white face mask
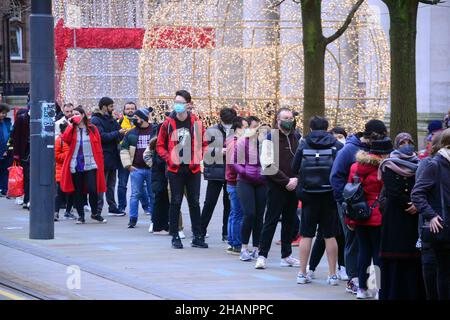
342,140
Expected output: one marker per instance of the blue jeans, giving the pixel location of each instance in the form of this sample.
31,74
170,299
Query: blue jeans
123,175
235,218
138,177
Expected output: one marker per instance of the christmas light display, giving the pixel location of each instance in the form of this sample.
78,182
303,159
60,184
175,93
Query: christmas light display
247,54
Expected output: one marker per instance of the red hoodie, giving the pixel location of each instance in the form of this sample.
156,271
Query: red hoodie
366,168
166,143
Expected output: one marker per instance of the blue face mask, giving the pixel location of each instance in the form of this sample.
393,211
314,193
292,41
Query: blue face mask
407,149
179,107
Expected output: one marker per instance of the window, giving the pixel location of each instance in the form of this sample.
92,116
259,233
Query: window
15,42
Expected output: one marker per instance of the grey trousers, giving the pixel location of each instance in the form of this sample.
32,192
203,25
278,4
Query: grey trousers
111,179
351,247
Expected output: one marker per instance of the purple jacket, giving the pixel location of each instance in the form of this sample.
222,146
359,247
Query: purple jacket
248,165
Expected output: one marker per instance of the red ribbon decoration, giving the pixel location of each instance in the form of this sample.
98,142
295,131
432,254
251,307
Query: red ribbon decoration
129,38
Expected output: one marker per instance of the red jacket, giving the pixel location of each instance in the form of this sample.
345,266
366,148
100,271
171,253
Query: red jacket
166,145
366,168
70,137
61,150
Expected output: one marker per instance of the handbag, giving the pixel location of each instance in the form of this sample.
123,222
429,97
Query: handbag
355,206
444,235
15,181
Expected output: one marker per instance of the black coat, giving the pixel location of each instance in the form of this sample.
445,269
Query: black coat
399,229
216,137
109,133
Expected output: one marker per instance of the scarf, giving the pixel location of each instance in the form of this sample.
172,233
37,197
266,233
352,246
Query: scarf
445,152
402,164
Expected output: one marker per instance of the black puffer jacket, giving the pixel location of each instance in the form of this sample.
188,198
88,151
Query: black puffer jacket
216,137
109,133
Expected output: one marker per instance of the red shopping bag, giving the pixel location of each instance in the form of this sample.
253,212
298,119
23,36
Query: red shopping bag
15,181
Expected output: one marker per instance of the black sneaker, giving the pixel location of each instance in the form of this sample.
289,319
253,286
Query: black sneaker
132,223
69,216
98,218
115,212
56,218
80,221
176,243
199,242
225,238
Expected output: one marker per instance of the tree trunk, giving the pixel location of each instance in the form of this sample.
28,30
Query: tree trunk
314,62
403,17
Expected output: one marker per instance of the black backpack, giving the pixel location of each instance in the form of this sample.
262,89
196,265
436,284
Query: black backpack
355,206
315,170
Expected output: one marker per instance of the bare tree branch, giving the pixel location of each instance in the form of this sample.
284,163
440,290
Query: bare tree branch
347,22
432,2
276,4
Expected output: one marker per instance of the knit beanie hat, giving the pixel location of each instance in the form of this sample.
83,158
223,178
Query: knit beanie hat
142,113
402,137
376,126
383,146
434,125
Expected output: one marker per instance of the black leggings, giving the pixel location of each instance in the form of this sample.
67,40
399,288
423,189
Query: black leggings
443,272
253,202
61,197
85,182
429,273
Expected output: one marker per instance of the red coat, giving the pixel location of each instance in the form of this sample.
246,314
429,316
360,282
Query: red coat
366,168
165,146
61,150
70,137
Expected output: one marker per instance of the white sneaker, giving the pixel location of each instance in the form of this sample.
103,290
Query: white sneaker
333,280
181,234
150,229
311,274
363,294
290,262
87,208
302,279
19,201
260,263
161,233
342,275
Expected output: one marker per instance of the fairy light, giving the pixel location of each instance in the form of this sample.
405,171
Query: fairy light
248,65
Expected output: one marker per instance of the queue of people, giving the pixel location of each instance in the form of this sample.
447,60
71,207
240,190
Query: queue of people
365,199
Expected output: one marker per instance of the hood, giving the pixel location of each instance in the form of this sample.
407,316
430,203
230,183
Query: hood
357,142
97,113
320,139
367,162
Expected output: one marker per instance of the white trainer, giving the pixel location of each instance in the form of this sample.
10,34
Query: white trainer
302,279
333,280
181,234
150,228
290,262
260,263
363,294
311,274
342,274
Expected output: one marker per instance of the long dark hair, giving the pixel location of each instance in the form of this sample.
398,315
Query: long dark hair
80,109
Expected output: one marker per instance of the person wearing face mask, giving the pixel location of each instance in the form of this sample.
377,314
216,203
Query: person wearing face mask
132,157
181,144
401,274
82,171
126,122
235,218
277,154
214,170
111,134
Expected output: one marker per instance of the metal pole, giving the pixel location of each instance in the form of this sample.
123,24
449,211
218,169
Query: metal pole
42,140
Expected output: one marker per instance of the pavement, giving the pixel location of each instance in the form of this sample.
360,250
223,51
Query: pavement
109,261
